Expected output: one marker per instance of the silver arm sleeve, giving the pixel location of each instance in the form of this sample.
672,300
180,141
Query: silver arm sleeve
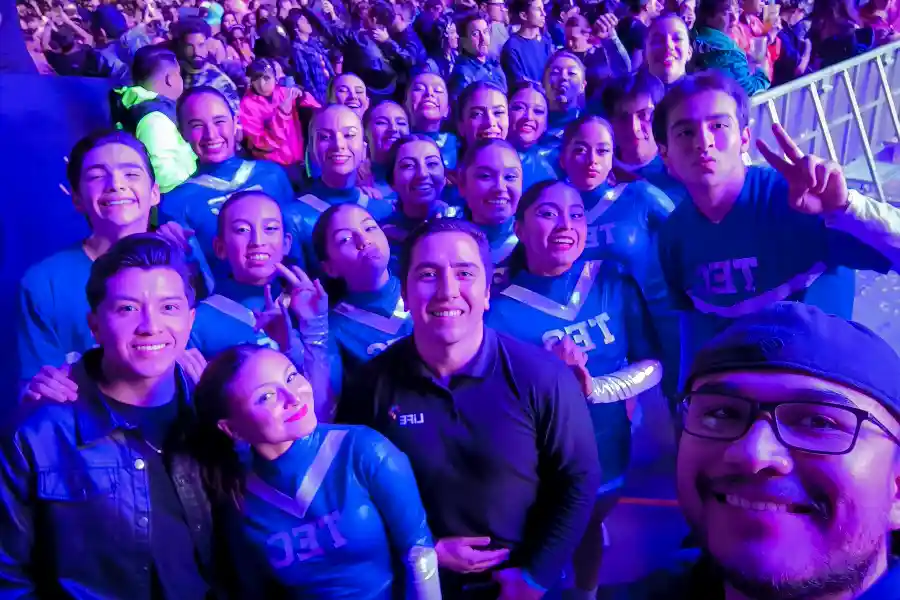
422,582
316,365
626,383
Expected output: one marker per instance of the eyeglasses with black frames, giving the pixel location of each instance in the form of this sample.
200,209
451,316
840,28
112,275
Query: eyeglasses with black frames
808,426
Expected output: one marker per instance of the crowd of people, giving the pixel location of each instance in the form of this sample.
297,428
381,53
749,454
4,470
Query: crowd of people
373,291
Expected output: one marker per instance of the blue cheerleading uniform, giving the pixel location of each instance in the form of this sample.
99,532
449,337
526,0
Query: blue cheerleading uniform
336,516
623,225
502,241
656,174
600,307
448,144
537,164
761,252
316,199
557,121
364,324
379,178
196,202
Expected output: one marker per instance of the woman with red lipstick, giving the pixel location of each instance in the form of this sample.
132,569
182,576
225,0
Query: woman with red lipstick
316,511
483,113
386,123
591,314
528,123
623,224
668,48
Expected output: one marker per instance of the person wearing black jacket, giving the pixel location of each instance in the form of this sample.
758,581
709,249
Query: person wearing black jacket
497,431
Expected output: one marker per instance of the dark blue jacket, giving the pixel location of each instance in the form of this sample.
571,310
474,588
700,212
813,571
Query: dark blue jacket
469,69
74,492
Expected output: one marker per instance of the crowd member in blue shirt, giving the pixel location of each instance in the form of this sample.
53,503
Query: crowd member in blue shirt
208,125
417,175
623,224
751,236
592,315
527,51
428,106
490,181
632,30
788,466
668,48
496,429
384,124
564,81
315,510
483,113
367,314
473,63
628,102
527,125
337,142
113,186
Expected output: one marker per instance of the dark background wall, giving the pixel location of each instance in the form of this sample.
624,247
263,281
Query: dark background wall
41,118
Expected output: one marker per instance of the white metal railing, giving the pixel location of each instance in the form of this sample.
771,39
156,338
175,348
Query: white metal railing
841,112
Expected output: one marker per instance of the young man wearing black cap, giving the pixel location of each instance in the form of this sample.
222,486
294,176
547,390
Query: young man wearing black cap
789,466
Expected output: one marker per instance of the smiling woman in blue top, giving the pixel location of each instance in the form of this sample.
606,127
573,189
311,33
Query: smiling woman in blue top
490,180
386,123
623,224
317,511
428,106
208,125
337,140
591,314
527,126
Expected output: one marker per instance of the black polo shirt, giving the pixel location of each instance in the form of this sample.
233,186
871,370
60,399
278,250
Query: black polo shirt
504,448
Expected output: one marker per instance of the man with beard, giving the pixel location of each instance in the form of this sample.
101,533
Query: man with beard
473,63
789,466
196,65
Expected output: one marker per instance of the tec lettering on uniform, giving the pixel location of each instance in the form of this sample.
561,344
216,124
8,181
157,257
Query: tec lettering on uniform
312,538
599,234
379,347
729,276
580,332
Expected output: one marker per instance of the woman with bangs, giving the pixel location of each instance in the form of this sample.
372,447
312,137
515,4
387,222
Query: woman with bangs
565,85
490,181
623,224
384,124
528,124
416,174
591,314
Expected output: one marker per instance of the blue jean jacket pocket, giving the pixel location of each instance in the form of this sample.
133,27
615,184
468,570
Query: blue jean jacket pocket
77,484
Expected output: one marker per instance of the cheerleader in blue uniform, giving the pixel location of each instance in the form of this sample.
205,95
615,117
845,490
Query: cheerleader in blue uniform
428,105
208,125
591,314
417,175
623,223
367,314
483,114
337,141
312,510
490,181
527,126
565,83
386,123
346,89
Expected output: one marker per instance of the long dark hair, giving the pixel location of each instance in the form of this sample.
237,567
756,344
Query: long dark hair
220,464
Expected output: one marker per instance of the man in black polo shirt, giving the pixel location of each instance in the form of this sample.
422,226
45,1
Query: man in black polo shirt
497,431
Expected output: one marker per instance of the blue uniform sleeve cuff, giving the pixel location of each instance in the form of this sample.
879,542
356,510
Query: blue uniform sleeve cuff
526,576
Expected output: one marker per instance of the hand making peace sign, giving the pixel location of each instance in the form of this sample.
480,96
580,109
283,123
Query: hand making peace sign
816,186
308,299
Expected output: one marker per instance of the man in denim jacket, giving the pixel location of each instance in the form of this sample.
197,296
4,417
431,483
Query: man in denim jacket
98,498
